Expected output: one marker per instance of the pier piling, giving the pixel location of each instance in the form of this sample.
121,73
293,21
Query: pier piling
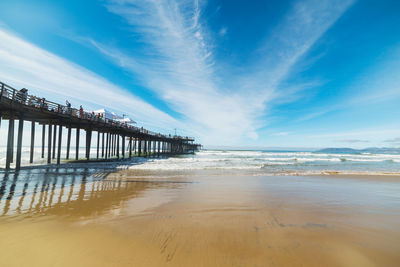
49,145
77,144
43,139
9,143
54,141
59,144
32,142
68,141
98,145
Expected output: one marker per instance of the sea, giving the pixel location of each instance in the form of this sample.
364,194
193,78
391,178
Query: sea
253,162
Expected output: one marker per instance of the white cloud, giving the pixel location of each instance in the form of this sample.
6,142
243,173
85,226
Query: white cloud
280,134
223,31
182,70
25,65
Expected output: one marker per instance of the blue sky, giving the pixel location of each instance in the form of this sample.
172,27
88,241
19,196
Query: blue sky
238,73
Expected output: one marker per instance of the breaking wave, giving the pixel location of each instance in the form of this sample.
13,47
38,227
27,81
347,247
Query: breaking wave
279,163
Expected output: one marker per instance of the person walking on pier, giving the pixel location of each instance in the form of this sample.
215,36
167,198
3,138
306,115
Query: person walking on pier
68,106
81,112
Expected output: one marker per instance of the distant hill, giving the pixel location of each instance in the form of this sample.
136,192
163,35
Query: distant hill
373,150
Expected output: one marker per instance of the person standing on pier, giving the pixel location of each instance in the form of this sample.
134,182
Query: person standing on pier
68,106
81,112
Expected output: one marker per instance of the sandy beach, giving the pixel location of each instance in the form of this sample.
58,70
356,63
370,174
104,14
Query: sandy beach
144,218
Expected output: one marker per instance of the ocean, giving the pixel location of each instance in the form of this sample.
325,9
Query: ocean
279,163
254,162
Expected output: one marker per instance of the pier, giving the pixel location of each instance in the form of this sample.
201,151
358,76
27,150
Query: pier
115,140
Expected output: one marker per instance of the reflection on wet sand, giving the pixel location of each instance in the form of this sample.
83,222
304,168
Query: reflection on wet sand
84,217
68,193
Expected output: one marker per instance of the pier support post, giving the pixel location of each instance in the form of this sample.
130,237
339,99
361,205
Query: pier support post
123,147
134,146
54,141
102,145
130,147
111,145
59,145
32,141
19,144
98,144
159,144
49,145
117,137
88,142
115,145
107,143
43,138
139,147
77,143
68,141
9,143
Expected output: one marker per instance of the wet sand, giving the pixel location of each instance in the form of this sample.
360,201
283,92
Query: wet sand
133,218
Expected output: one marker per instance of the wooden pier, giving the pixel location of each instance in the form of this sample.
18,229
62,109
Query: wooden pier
115,140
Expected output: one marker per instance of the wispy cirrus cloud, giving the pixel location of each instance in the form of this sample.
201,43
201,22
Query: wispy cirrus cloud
179,63
47,75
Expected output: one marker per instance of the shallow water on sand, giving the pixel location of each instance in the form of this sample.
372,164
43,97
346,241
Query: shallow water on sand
105,217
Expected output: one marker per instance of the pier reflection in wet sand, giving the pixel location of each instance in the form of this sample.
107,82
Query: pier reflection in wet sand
79,192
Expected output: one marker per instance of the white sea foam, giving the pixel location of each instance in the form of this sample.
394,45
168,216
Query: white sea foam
283,163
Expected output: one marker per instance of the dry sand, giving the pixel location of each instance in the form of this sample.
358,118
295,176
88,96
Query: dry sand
128,220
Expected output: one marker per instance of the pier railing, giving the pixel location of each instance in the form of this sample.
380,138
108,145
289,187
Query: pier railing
20,97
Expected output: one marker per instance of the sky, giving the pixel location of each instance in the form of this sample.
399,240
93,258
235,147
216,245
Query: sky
302,73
